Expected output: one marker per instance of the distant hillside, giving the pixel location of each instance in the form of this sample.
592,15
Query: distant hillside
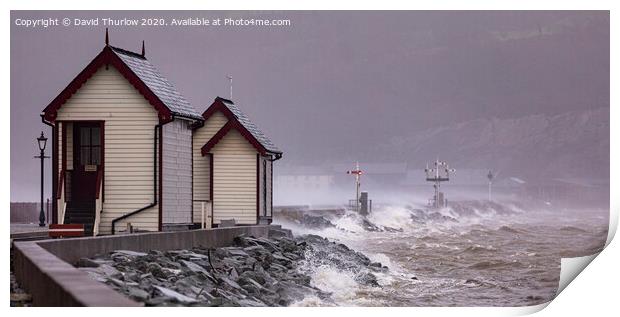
573,144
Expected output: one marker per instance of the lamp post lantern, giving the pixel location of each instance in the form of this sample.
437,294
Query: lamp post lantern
42,141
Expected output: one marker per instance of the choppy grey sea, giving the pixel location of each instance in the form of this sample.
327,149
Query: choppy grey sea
473,253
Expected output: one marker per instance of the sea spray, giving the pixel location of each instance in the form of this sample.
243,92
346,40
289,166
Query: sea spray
471,253
391,216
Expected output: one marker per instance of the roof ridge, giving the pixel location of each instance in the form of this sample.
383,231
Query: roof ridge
224,99
127,52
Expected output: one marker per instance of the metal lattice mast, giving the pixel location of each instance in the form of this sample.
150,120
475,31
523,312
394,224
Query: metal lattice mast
440,172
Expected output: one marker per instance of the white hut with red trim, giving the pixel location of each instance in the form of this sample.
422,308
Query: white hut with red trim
233,166
129,151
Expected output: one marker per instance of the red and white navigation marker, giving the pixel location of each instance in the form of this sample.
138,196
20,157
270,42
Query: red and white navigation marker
357,172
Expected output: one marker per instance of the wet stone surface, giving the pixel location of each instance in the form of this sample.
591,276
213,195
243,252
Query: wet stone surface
253,272
19,298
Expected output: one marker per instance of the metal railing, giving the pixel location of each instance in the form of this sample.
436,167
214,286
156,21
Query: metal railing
61,218
356,206
99,183
98,202
61,182
206,213
60,198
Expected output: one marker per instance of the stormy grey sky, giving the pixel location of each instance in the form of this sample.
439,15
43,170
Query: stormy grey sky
331,82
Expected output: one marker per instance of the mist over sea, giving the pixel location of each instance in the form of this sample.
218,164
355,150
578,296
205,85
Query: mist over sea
472,253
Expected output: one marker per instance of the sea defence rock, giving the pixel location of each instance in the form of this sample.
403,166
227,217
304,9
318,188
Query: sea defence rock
254,271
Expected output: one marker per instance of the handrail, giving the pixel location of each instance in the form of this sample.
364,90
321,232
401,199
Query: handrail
61,181
204,215
98,211
97,222
98,202
61,219
99,181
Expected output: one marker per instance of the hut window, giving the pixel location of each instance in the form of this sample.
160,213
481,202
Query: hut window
90,146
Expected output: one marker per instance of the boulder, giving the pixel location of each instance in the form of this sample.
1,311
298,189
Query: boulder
194,267
238,252
138,294
275,232
367,279
174,295
129,253
156,270
85,262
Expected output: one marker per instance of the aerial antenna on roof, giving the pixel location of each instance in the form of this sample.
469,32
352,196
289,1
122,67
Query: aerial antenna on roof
230,82
107,38
143,51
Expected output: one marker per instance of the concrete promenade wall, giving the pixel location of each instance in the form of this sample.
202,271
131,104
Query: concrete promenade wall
44,268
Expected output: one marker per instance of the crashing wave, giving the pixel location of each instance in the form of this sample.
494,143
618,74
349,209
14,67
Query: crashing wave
396,219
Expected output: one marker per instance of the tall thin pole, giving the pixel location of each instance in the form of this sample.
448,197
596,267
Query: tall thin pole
489,190
42,213
357,187
231,84
358,173
490,176
47,208
41,141
437,184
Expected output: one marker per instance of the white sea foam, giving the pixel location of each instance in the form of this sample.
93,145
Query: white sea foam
340,283
391,216
415,257
349,222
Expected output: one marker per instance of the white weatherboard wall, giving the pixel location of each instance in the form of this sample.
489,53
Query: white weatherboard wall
202,169
129,130
177,173
234,179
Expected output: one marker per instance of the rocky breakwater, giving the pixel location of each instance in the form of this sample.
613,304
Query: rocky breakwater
272,271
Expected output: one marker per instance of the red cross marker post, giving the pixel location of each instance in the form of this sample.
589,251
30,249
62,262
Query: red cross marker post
357,172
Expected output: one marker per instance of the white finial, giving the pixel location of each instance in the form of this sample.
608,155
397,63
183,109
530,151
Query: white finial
231,83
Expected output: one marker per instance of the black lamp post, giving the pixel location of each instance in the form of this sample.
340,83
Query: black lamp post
42,140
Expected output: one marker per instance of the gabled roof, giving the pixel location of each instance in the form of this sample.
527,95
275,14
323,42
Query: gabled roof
239,121
141,74
162,88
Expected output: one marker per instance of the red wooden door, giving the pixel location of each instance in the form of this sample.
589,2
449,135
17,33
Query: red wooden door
87,140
